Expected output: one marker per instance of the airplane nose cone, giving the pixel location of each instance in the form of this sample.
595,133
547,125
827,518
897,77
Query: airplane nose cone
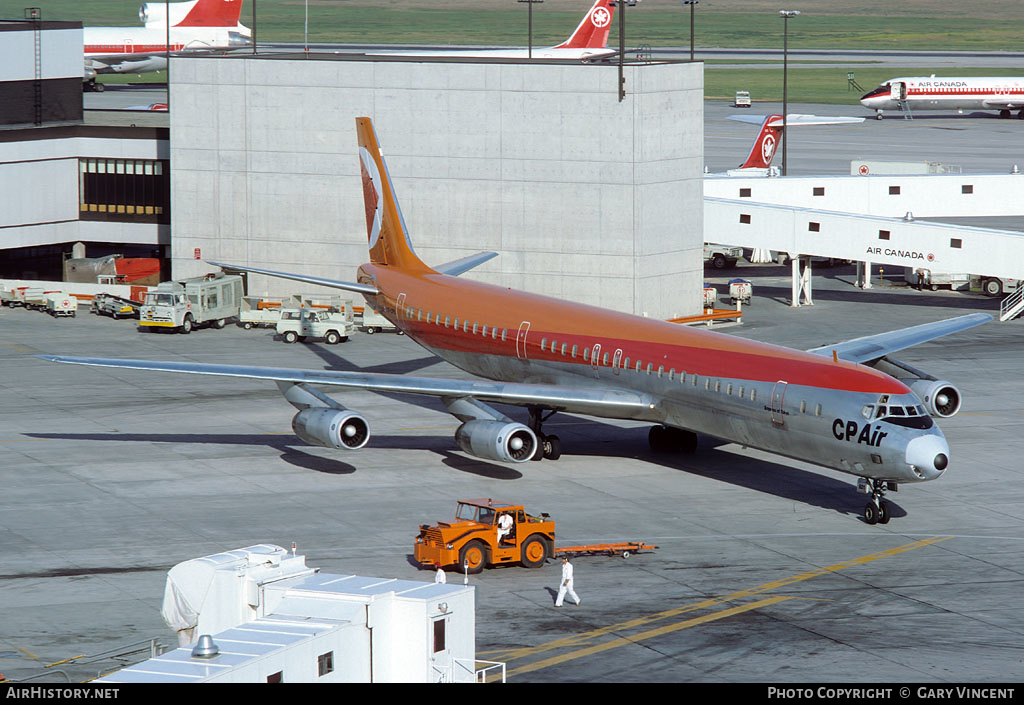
929,456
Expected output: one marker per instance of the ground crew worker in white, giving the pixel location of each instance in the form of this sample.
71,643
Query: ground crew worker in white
566,585
504,526
439,576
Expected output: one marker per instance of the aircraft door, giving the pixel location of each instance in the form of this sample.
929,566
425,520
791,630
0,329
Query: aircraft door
524,329
617,361
400,306
898,91
778,394
595,358
441,661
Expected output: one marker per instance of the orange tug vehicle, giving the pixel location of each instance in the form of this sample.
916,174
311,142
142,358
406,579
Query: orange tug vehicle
470,542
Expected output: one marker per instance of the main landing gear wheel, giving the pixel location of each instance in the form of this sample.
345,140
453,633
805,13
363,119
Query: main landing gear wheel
548,447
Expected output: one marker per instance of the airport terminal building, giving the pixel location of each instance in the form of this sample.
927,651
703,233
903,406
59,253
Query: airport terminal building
583,195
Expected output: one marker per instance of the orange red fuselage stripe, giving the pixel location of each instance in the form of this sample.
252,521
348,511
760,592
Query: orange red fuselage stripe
648,341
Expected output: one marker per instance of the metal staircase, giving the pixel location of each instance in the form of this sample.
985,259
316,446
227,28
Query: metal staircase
1012,306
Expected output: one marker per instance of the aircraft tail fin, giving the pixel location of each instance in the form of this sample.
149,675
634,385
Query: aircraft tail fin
385,227
592,32
212,13
763,149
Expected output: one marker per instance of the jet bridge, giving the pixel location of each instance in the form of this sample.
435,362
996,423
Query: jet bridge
898,242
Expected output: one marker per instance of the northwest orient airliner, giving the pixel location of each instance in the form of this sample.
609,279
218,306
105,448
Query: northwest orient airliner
1001,93
199,25
549,355
588,42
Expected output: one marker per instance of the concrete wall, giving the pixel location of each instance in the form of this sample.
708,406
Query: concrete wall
584,197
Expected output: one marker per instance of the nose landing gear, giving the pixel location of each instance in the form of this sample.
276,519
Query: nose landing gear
877,510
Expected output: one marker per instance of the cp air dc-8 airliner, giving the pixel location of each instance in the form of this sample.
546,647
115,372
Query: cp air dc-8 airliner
828,406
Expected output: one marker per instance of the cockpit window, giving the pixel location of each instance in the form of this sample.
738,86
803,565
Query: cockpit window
907,416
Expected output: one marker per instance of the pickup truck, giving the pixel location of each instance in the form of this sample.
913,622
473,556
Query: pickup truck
305,323
722,256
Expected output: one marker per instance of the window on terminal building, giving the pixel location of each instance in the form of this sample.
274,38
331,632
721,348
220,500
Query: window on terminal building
124,190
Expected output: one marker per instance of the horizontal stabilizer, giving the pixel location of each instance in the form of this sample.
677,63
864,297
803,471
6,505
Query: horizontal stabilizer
464,264
796,120
873,347
320,281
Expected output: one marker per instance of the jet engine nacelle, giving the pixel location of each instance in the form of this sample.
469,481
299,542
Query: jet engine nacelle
940,398
507,441
331,427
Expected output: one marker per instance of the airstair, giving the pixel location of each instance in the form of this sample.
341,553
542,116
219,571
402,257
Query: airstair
1012,306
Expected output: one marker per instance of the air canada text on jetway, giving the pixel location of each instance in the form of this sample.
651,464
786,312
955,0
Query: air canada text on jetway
888,252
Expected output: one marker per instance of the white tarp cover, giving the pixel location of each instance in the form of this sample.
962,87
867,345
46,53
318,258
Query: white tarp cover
189,582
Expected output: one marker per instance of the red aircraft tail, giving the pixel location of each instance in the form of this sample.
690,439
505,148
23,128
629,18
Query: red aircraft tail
213,13
763,150
385,227
593,30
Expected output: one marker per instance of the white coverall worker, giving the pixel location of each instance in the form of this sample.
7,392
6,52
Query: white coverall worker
440,577
504,526
566,585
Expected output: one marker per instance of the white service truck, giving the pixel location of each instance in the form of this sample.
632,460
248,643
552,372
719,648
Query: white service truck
305,323
722,256
183,305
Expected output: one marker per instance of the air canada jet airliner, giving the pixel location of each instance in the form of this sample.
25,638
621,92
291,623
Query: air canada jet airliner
1002,93
830,406
767,140
587,43
198,25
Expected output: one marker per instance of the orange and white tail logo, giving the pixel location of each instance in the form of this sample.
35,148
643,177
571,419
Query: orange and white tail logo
593,30
387,235
213,13
764,145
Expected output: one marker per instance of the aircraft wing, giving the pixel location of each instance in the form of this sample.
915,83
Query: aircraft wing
796,119
1003,103
321,281
873,347
606,402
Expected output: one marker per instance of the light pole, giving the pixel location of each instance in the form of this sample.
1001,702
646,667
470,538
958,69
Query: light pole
529,22
620,5
786,14
692,4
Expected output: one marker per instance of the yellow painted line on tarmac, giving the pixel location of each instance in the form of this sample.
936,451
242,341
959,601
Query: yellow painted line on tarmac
624,640
585,637
17,347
